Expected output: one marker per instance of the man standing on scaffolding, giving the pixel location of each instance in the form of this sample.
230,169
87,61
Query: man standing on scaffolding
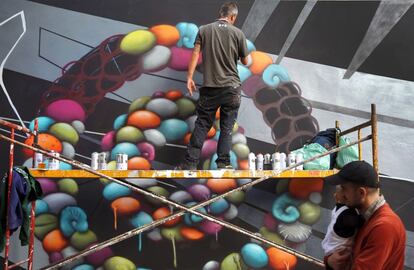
222,45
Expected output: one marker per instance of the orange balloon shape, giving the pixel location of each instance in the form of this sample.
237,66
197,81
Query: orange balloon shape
139,163
221,185
167,35
187,138
260,61
46,141
281,260
143,119
218,113
191,233
173,94
162,212
54,241
125,205
243,164
211,132
301,188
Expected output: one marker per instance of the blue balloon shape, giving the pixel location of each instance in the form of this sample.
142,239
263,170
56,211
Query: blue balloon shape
254,255
250,46
43,123
285,209
233,161
41,207
191,218
188,34
125,148
275,74
84,267
114,190
140,219
73,219
173,129
219,206
244,72
120,121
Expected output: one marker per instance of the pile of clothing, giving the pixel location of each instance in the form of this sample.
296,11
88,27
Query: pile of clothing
24,189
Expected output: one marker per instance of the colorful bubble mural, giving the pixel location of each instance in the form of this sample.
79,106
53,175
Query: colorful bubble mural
149,124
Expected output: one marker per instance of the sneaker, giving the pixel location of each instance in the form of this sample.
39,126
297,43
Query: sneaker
223,166
186,166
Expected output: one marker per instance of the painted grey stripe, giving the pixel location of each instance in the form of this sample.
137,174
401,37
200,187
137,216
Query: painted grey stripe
257,18
307,9
362,114
387,15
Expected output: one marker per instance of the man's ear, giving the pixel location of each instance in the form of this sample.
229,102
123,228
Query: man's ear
363,192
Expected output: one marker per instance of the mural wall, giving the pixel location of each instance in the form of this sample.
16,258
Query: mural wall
98,83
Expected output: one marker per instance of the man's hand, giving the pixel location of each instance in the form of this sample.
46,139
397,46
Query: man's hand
339,260
191,86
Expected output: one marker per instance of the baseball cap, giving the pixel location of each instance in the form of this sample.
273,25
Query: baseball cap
357,172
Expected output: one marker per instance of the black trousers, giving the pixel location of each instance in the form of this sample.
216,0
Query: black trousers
228,100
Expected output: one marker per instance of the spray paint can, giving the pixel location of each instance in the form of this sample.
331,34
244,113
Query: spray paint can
299,158
259,162
122,162
282,161
291,160
53,163
102,161
94,160
267,162
276,166
252,161
38,159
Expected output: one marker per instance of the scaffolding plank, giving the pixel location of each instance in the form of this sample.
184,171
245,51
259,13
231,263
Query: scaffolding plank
181,174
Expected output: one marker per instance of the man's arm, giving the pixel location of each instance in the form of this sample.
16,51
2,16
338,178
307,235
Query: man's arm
191,68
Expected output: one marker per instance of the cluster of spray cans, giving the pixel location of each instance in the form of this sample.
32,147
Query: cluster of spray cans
99,161
48,163
277,161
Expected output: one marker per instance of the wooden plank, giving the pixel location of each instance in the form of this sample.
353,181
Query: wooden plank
177,174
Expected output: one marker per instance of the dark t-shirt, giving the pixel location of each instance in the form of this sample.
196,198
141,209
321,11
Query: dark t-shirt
222,44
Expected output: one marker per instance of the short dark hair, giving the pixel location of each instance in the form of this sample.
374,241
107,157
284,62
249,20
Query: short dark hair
228,9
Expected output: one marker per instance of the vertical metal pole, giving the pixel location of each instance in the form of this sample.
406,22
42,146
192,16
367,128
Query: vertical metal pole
32,207
374,132
359,144
9,184
337,133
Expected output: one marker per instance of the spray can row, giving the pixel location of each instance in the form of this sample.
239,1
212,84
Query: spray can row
99,161
48,163
277,161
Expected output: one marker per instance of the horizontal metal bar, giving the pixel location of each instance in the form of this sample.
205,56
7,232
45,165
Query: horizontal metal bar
18,264
11,125
361,126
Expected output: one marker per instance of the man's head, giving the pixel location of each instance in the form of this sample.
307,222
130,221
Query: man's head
359,184
229,11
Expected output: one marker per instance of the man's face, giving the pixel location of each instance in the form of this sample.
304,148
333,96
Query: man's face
352,195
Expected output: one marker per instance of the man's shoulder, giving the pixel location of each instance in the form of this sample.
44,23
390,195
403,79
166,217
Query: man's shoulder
236,30
386,220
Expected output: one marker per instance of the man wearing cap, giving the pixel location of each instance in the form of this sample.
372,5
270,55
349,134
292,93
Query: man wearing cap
380,242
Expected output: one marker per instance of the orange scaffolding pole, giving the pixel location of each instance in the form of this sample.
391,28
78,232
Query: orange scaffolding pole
29,260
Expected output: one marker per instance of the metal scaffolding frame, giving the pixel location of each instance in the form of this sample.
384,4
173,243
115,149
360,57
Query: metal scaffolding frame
29,259
260,177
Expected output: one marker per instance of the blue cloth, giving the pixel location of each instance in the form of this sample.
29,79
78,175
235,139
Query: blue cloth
24,189
17,195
